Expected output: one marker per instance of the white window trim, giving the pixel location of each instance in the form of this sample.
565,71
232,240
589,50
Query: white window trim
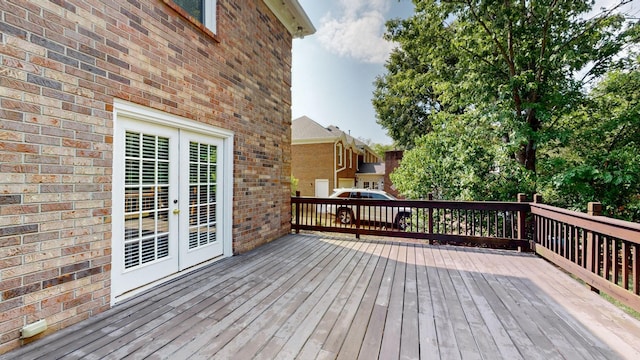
340,151
210,19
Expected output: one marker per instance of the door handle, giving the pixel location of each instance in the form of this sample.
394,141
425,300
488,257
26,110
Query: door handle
176,211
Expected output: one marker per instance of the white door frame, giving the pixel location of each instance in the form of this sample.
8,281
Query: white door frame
122,109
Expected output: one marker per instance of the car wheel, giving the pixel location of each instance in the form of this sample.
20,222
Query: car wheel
403,221
344,216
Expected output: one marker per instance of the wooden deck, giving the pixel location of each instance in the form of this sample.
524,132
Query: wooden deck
311,296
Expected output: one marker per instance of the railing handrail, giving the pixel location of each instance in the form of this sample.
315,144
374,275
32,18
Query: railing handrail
421,204
621,229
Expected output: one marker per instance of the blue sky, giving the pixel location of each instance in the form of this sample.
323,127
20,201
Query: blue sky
334,69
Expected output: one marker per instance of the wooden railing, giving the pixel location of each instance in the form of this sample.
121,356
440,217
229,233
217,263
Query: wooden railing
498,224
602,252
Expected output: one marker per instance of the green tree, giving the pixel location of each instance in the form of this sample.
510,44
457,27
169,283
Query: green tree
599,158
514,59
457,161
380,149
505,72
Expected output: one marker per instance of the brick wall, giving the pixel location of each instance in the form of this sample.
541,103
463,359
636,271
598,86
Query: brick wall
61,65
310,162
391,162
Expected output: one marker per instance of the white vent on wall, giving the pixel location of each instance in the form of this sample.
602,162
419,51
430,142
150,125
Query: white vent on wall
33,329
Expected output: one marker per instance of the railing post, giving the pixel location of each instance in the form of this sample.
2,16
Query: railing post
522,219
593,209
297,221
430,220
358,196
537,199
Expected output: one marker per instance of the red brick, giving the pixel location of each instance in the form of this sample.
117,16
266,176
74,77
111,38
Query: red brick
58,299
57,206
10,284
20,148
20,291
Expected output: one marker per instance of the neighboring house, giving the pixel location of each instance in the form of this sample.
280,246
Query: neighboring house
138,140
376,175
371,176
324,158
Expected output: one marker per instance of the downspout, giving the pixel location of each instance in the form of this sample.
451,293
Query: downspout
335,165
344,162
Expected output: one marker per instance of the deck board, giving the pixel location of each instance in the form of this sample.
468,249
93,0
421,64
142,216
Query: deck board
312,296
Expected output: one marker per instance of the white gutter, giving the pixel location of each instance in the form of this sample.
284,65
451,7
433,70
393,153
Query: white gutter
292,16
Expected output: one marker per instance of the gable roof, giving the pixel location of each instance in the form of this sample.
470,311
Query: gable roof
363,147
349,137
305,129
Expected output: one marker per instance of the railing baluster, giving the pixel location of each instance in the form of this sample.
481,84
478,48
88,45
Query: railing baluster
636,269
565,241
625,253
598,253
579,246
547,233
615,268
585,249
605,257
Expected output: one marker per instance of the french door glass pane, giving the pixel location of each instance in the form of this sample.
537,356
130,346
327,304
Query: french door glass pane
146,205
202,194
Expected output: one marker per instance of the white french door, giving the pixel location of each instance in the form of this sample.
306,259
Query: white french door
166,202
200,181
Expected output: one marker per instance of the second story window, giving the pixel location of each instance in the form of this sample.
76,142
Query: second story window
202,10
340,153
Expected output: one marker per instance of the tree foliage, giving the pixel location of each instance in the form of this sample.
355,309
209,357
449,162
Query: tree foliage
480,89
600,159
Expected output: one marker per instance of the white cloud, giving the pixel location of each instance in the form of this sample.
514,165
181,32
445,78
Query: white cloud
357,31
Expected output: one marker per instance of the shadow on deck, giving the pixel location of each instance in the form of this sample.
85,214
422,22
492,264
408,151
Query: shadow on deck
311,296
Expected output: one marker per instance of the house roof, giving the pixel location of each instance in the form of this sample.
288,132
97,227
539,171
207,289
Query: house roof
305,129
372,168
293,16
359,144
